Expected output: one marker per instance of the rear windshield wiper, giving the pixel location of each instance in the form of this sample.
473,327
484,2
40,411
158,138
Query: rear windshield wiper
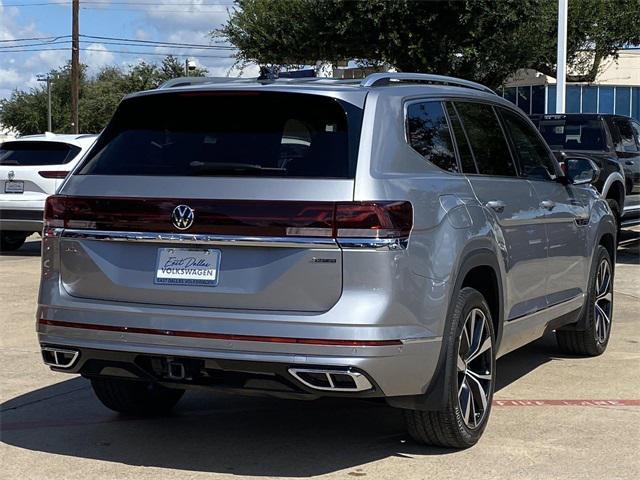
204,168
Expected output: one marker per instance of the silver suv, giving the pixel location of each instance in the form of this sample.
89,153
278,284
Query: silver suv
386,238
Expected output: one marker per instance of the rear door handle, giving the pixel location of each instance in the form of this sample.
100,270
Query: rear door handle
547,204
629,162
496,205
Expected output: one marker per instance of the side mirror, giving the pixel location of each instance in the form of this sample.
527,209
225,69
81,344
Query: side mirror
581,170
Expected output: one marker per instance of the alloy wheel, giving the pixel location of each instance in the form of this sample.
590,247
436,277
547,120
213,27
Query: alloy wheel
604,301
475,368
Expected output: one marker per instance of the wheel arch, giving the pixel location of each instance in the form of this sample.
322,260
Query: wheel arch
474,268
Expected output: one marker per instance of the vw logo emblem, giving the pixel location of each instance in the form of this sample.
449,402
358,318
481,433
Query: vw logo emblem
11,175
182,217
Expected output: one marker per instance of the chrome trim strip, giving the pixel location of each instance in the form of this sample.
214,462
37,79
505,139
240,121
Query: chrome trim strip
192,238
233,240
374,243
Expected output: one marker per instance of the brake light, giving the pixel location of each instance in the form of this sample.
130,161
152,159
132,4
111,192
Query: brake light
373,219
53,173
233,217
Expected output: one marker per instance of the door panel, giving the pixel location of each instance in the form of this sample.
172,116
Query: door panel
522,239
565,218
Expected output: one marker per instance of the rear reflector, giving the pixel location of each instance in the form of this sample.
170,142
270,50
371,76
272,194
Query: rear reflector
53,173
233,217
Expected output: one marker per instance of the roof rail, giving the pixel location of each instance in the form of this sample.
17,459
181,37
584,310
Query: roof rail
188,81
387,78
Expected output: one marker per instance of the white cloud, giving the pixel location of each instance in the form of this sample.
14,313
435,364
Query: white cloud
97,56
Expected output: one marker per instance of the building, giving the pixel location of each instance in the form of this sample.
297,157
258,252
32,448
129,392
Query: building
616,89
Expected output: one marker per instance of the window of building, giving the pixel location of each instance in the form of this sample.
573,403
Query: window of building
537,99
606,100
510,94
572,102
589,99
429,134
623,101
524,99
551,99
635,103
488,144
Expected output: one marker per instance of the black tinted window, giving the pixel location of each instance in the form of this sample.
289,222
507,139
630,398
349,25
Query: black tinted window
229,133
627,137
36,153
466,157
429,134
533,155
573,133
488,144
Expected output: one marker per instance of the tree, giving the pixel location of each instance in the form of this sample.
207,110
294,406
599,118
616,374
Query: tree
482,40
26,112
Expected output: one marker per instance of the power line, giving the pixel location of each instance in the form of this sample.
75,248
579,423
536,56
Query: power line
35,38
126,52
154,42
124,44
107,3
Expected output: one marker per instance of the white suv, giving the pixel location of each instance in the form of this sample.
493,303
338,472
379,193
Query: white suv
31,169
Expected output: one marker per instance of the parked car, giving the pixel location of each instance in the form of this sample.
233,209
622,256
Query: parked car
383,239
31,168
613,143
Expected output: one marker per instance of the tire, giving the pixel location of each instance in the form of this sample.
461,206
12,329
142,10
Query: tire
463,420
593,340
10,241
615,209
135,397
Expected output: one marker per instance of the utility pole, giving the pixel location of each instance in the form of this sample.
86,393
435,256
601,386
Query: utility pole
561,70
75,65
47,78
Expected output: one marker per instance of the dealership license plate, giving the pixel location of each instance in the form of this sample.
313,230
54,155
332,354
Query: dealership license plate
188,266
12,186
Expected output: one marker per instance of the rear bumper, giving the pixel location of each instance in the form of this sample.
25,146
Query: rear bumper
22,220
402,368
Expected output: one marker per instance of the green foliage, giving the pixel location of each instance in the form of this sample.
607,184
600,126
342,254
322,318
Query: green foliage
26,112
482,40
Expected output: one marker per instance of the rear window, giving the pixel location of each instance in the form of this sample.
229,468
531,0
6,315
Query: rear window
573,133
229,134
37,153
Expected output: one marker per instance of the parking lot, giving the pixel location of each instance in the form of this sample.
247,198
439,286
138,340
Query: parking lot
554,416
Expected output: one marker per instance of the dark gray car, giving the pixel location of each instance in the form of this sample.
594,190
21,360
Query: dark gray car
388,238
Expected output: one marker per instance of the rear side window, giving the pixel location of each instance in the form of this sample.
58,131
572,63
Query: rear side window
466,157
533,155
37,153
489,147
627,137
429,134
229,134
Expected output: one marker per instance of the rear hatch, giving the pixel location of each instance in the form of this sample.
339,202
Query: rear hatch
32,170
212,199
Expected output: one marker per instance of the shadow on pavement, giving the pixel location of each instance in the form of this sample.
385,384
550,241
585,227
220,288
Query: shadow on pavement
629,247
31,248
217,433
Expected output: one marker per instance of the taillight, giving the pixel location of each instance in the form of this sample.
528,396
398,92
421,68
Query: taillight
373,219
233,217
53,173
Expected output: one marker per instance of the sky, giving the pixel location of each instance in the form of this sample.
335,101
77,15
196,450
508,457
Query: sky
175,21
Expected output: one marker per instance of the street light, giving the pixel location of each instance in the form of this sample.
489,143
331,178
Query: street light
41,77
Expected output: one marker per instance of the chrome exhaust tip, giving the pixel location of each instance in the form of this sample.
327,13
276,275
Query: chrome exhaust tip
331,380
59,357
